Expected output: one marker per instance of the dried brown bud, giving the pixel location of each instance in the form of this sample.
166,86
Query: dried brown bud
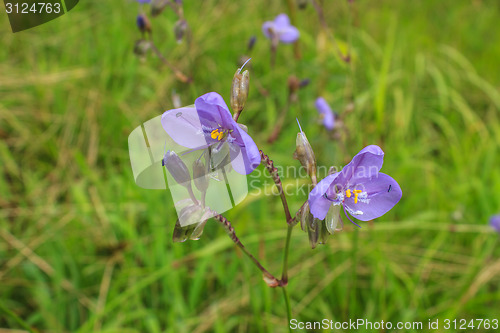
239,89
305,154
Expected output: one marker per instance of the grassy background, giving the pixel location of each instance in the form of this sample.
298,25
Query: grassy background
83,249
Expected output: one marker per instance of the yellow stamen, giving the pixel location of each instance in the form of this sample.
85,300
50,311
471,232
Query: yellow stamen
348,193
221,135
214,133
356,193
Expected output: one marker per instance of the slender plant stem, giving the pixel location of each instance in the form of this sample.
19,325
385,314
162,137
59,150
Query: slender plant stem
178,74
269,164
330,33
288,307
284,274
281,120
268,277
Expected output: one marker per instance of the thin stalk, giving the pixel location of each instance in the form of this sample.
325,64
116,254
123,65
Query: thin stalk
330,33
281,120
284,274
269,164
268,277
191,194
288,307
178,74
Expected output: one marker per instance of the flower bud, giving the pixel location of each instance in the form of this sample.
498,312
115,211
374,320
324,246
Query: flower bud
143,23
305,154
192,219
332,221
142,47
157,6
180,28
200,175
239,89
177,168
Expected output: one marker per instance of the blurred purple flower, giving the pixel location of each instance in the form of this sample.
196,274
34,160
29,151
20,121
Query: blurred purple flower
143,1
325,113
495,222
210,124
281,29
360,188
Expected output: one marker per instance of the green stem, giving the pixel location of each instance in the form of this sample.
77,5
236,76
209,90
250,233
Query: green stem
268,277
284,274
288,307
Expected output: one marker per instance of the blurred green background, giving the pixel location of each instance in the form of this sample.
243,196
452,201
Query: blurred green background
83,249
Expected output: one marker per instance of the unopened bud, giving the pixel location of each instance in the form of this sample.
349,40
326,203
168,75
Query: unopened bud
143,23
157,6
239,89
180,28
332,221
177,168
305,154
200,175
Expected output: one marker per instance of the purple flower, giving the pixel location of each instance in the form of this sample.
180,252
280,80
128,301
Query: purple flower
495,222
325,113
281,29
209,124
360,188
143,1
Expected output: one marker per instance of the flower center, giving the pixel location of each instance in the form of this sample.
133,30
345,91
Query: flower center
356,194
217,134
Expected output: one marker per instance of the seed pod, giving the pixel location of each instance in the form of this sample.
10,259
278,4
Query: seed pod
305,154
177,168
200,175
239,90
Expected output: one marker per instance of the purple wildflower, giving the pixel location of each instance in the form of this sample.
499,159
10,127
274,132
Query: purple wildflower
209,124
495,222
360,188
325,113
281,29
143,1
